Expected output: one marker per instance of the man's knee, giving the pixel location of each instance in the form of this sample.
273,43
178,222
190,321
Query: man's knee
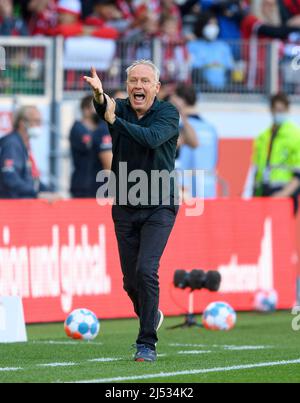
130,285
147,275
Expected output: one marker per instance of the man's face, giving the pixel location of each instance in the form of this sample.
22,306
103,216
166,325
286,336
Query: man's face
88,112
270,12
31,125
280,113
34,118
142,88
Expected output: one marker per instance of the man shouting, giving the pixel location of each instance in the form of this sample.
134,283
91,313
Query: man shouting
144,133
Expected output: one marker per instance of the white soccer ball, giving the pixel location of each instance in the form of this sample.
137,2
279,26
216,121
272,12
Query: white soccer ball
266,301
219,316
82,324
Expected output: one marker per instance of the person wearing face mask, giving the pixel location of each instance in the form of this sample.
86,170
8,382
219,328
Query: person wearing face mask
19,174
277,155
211,58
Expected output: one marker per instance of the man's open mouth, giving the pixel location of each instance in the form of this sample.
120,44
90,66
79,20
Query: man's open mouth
139,97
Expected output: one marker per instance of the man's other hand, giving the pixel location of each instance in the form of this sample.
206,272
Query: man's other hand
110,114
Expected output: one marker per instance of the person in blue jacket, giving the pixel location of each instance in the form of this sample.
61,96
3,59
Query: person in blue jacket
91,146
19,176
211,58
202,157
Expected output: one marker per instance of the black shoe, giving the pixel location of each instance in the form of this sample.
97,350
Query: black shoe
144,354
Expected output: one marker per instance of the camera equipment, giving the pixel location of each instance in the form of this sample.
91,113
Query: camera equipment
195,280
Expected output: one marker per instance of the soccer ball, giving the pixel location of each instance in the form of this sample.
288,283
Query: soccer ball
219,316
82,324
266,301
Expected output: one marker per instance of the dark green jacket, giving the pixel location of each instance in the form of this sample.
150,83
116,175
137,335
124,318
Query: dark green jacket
148,144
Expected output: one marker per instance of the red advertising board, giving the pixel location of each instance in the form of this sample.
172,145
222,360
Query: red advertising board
63,256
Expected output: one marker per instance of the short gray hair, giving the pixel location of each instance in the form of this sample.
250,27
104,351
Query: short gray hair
22,114
145,63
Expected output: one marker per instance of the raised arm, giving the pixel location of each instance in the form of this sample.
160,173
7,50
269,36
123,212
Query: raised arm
97,88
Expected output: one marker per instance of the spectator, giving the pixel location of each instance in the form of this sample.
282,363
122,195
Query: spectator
228,14
277,154
141,38
169,29
175,58
169,9
290,12
267,26
141,13
212,58
91,151
190,7
68,19
41,15
268,11
106,12
199,151
87,8
69,23
19,175
133,12
128,11
9,25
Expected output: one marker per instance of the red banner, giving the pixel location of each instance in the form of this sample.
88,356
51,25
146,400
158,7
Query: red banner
64,256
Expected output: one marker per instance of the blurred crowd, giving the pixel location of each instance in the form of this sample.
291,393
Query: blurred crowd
201,39
172,19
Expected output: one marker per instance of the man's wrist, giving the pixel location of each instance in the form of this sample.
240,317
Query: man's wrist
112,120
99,96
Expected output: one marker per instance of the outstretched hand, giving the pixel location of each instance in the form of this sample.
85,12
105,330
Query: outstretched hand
96,85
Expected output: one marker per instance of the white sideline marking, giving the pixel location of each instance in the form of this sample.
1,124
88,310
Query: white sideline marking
57,364
194,352
68,343
225,347
187,345
192,372
243,348
10,369
104,359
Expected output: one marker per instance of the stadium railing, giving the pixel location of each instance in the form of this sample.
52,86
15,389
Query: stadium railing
255,67
44,66
27,68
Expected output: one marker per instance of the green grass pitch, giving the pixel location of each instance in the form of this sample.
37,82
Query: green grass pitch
262,348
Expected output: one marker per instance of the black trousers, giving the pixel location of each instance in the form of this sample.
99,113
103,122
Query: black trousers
142,235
